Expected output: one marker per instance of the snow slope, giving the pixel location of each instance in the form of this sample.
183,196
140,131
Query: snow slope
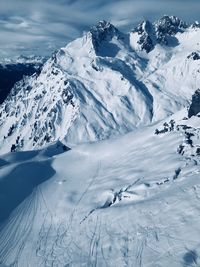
102,85
129,201
13,70
132,200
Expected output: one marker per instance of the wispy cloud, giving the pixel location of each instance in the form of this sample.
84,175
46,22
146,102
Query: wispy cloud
42,26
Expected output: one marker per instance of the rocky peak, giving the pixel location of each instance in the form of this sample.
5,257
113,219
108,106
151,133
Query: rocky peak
102,31
170,25
196,24
145,30
158,32
144,27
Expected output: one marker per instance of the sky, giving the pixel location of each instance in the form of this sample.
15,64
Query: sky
42,26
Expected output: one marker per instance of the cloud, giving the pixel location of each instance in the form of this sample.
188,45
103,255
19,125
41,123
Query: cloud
38,27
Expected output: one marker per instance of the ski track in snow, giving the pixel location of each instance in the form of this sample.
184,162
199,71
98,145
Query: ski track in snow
135,220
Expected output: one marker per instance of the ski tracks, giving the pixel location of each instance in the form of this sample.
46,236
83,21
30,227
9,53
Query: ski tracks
15,233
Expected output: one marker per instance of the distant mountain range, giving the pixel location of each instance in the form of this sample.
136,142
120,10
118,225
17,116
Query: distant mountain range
13,70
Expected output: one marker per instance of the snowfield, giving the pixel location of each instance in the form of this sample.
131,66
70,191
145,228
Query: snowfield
129,201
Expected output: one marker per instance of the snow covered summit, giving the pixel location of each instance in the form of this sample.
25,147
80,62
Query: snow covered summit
132,200
103,31
162,31
102,85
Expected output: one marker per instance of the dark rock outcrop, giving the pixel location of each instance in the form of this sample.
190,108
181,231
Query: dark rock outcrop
168,25
146,41
194,56
103,31
195,105
159,32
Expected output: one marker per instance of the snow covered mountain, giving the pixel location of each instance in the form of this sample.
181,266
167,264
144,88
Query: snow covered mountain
132,200
104,84
129,201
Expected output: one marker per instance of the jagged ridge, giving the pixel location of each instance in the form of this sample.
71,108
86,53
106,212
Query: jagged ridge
101,86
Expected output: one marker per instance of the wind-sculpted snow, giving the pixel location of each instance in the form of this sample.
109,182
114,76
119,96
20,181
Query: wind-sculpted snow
130,201
103,85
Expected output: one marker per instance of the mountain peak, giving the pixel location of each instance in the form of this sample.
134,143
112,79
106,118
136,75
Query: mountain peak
97,87
145,29
102,31
196,24
159,31
144,26
170,25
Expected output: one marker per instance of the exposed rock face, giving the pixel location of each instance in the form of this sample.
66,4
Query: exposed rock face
195,105
159,31
145,40
100,86
194,56
103,31
195,25
168,26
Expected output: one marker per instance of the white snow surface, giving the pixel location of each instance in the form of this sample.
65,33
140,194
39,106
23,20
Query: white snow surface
100,86
129,201
127,193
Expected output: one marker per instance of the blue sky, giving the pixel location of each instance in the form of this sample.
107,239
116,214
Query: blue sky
41,26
